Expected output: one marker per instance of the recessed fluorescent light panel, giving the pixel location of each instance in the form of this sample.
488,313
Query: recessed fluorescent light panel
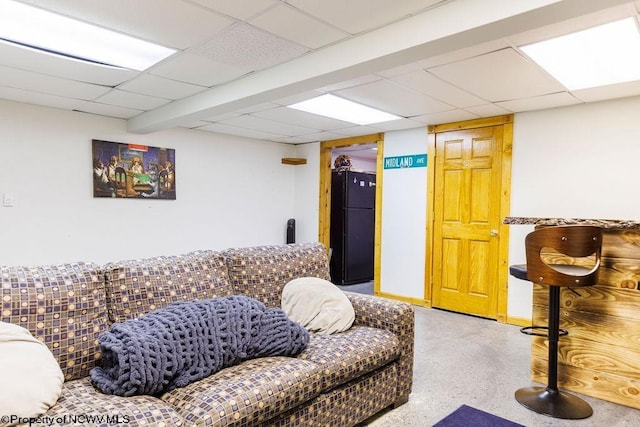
32,27
342,109
598,56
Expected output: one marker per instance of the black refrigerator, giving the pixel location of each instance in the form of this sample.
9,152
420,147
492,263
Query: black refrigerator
353,200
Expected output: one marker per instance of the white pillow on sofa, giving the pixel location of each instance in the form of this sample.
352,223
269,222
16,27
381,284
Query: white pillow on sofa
318,305
31,378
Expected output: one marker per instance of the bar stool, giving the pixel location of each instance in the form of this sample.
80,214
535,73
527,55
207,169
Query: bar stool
575,241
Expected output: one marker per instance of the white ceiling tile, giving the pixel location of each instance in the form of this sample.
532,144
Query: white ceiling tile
298,97
487,110
323,136
404,69
59,66
302,118
171,23
239,131
620,90
293,140
445,117
498,76
278,128
242,10
257,107
195,124
108,110
392,98
397,125
573,25
351,83
356,16
221,117
19,79
148,84
132,100
560,99
247,47
28,97
219,48
198,70
430,85
291,24
468,52
356,130
447,58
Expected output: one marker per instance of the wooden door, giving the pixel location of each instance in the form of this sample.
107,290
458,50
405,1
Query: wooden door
467,219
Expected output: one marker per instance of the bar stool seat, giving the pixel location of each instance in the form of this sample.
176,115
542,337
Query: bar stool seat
574,241
519,271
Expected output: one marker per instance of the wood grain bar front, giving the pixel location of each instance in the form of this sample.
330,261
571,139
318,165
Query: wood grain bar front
601,355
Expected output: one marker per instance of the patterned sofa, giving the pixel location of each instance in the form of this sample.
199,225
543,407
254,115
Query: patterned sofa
339,380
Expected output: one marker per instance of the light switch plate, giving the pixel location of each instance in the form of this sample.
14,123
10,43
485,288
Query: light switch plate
7,200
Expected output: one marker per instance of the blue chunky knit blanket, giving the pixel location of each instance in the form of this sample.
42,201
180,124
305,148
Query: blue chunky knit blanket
184,342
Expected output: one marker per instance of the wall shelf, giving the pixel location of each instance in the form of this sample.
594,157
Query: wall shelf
294,161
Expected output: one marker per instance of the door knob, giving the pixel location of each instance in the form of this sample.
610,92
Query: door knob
493,233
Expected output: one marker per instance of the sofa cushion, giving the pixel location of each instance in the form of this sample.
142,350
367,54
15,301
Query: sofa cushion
318,305
247,394
350,354
136,287
347,405
62,306
80,399
261,272
31,378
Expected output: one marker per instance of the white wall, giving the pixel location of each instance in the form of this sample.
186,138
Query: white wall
404,217
579,161
363,164
575,162
231,191
307,192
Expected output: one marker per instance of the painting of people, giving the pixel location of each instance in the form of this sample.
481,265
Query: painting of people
123,170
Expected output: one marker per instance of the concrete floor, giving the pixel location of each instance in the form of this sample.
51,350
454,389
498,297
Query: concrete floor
481,363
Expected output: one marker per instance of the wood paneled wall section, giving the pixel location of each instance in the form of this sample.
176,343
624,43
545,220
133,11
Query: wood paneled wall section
601,355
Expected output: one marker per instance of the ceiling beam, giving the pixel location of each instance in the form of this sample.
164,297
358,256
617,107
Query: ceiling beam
451,26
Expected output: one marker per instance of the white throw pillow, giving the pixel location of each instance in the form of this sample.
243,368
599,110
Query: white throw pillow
30,378
318,305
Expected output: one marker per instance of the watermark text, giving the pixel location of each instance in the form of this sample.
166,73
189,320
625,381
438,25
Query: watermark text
81,419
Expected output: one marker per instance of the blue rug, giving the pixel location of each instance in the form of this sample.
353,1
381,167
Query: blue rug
466,416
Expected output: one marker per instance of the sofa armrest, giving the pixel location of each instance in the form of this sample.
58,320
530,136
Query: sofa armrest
393,316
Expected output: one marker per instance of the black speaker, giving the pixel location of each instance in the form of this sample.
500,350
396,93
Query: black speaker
291,231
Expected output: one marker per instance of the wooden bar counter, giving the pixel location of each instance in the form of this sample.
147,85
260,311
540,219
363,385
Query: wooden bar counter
601,355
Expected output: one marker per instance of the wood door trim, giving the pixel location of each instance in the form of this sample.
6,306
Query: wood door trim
324,214
505,202
431,174
356,140
505,205
471,124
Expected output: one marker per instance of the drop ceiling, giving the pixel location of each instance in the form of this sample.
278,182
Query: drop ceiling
239,63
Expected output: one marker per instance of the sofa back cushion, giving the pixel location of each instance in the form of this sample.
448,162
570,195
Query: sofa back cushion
62,306
136,287
261,272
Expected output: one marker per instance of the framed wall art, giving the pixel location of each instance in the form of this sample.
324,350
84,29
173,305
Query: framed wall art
133,171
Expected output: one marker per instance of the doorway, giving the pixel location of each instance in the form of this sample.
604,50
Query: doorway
468,244
365,153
